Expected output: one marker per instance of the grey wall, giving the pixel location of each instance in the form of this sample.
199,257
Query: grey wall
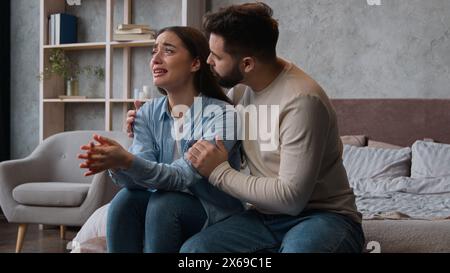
24,85
398,50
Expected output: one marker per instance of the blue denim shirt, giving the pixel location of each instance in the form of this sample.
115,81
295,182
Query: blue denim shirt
154,167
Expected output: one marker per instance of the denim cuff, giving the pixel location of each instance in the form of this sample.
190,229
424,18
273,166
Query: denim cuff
121,179
137,166
195,174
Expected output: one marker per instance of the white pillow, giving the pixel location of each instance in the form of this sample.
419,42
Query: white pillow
430,159
93,230
368,162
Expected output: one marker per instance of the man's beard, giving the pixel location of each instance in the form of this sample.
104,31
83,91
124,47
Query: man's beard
231,79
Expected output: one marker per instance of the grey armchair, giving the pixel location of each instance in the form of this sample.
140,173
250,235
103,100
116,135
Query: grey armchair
48,187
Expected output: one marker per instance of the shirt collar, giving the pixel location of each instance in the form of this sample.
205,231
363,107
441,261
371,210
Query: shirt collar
164,109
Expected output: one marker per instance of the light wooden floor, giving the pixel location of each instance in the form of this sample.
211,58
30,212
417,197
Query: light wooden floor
36,241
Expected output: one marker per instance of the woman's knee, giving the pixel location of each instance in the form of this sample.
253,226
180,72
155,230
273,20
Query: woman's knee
127,200
171,203
175,211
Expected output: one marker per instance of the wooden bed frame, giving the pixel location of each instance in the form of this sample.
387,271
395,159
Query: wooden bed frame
396,121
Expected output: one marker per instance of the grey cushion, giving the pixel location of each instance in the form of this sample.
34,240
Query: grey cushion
53,194
368,162
430,160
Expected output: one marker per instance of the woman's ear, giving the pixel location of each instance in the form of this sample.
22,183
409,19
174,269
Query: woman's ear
195,65
249,64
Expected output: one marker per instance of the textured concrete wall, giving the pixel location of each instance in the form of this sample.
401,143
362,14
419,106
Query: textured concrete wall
400,49
24,85
397,50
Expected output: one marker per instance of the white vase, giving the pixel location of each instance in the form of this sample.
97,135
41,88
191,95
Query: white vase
72,87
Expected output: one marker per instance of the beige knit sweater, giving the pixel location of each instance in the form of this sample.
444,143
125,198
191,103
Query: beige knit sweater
304,169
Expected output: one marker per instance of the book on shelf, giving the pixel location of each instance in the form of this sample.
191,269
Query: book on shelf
62,29
133,37
49,31
132,26
134,31
72,97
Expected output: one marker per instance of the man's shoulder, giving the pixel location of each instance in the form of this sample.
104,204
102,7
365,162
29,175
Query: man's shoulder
301,81
298,85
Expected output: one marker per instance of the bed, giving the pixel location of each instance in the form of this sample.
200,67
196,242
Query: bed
403,194
402,122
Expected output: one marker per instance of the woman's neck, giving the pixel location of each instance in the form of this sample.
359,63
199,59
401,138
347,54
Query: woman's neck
182,96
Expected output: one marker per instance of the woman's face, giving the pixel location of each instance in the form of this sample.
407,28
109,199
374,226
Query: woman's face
172,66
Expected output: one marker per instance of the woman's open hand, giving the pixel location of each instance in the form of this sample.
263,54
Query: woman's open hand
107,154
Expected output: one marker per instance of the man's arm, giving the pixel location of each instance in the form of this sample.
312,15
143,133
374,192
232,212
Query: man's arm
303,135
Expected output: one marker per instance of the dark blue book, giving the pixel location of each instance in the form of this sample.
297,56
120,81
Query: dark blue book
65,28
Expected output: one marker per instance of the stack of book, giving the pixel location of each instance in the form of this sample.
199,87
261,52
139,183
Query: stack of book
133,32
62,29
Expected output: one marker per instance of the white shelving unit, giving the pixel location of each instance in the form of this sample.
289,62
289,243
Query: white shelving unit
52,109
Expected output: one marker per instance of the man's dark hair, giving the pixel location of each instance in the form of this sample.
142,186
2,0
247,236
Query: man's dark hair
248,30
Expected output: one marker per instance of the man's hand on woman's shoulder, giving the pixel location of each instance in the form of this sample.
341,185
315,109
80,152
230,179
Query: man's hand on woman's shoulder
131,115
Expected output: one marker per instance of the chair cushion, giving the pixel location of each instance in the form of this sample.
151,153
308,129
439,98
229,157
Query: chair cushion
51,194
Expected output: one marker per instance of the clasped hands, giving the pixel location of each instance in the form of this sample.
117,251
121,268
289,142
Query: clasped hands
106,154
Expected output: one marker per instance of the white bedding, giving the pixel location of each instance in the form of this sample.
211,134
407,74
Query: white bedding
403,197
405,205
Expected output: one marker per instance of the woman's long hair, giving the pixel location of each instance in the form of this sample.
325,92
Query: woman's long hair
197,45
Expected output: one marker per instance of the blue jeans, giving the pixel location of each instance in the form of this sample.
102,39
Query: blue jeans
253,232
142,221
